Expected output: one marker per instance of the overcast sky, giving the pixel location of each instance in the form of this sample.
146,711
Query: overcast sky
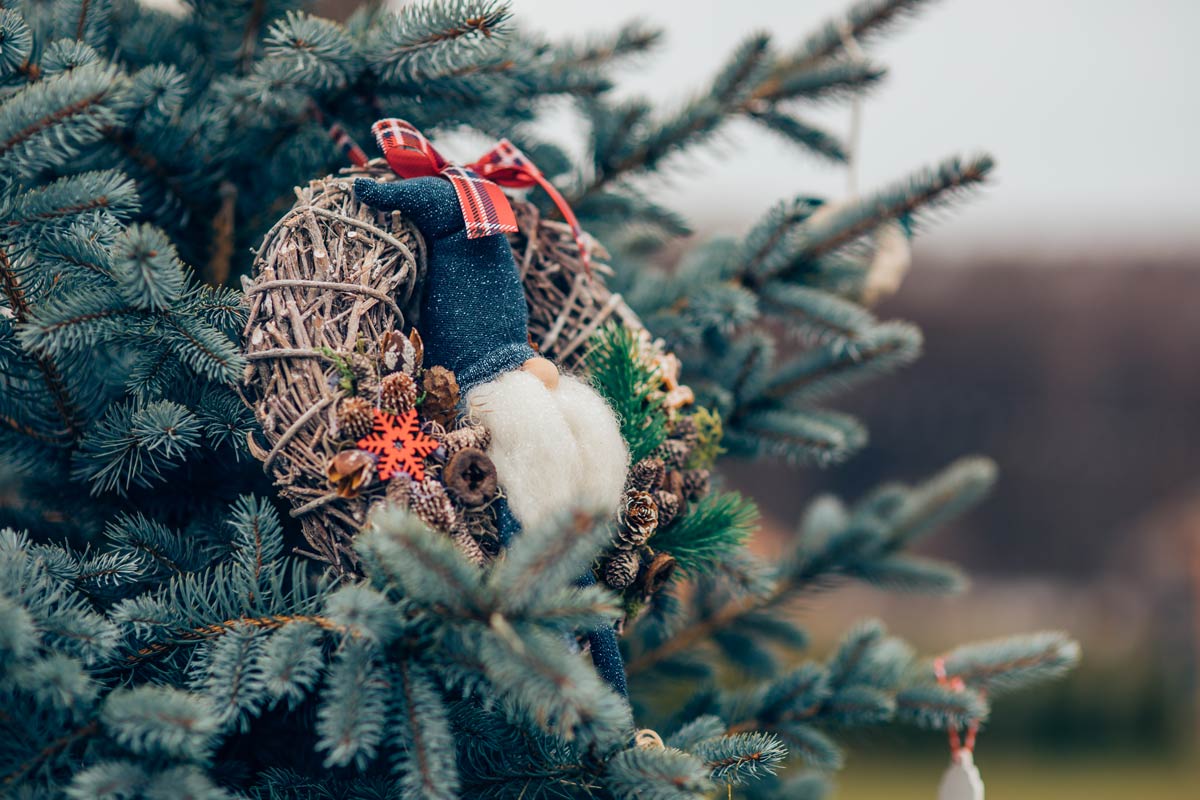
1090,106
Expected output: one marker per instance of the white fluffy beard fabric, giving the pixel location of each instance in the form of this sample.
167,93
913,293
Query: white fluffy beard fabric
554,449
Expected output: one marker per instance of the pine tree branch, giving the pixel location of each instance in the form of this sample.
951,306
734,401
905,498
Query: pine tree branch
195,635
19,306
50,750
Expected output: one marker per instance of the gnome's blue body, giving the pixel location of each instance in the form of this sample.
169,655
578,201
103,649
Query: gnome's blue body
474,322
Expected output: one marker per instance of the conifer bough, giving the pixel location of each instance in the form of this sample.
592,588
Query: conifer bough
159,638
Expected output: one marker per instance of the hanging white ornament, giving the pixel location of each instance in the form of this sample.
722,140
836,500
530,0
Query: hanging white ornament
961,780
889,264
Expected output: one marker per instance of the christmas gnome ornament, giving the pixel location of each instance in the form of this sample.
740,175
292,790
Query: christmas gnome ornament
554,441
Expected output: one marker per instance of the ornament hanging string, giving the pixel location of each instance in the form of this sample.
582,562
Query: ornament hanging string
486,211
958,744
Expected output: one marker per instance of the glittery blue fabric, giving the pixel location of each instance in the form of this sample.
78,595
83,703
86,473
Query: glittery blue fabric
474,322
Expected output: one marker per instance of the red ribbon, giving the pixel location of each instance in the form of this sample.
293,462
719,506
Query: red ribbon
486,211
955,684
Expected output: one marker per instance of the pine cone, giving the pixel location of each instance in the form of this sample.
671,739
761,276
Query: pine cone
427,499
355,418
481,524
468,546
673,483
696,483
638,518
656,575
350,471
668,507
674,453
441,395
470,477
431,503
622,569
397,393
475,436
685,430
647,475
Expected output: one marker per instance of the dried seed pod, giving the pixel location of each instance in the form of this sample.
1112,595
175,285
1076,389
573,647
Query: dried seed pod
647,475
637,518
397,393
657,574
470,477
475,436
355,418
441,395
350,471
674,453
696,483
668,507
391,350
622,569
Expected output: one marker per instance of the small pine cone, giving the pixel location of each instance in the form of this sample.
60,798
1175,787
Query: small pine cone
656,575
475,436
647,475
351,471
673,483
397,393
355,418
696,483
668,507
467,545
470,477
365,371
685,430
441,395
431,503
400,489
674,453
638,518
622,569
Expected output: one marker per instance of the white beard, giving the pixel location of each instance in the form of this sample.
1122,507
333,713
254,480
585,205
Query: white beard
553,449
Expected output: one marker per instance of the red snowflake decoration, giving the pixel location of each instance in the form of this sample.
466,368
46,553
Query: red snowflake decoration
399,444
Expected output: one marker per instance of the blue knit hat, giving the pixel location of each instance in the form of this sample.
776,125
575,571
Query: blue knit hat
474,320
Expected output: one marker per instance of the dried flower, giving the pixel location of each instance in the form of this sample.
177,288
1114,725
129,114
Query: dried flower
355,418
350,471
441,395
638,519
470,477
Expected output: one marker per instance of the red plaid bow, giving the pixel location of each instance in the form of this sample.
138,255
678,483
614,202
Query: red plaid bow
486,211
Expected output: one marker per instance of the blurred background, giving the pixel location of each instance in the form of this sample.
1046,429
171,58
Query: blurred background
1061,310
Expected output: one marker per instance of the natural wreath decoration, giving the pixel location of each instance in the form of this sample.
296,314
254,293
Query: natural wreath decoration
350,415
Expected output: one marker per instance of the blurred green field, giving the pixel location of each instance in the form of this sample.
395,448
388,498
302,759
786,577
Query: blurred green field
1008,777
